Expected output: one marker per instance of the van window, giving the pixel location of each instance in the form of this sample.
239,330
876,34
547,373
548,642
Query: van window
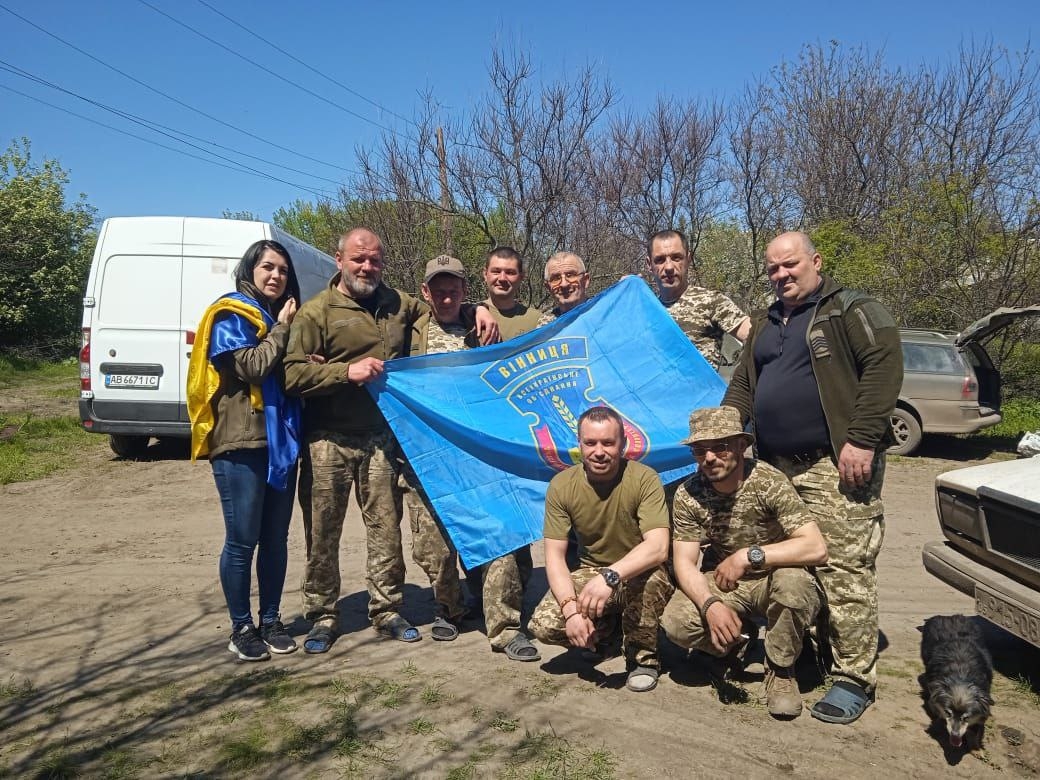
141,290
932,359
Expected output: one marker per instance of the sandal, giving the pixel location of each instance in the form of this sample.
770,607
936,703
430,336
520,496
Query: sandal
319,639
442,630
642,678
520,648
843,703
398,628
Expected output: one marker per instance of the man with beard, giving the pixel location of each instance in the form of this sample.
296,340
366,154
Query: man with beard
705,316
338,343
568,283
757,527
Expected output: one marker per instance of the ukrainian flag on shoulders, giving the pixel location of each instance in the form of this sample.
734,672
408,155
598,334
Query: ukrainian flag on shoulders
486,429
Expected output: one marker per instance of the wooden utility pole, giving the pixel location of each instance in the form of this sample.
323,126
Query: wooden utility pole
446,221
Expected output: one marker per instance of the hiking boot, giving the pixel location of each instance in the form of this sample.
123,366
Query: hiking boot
247,644
277,638
782,697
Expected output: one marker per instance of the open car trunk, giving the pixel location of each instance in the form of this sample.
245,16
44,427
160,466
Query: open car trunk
970,342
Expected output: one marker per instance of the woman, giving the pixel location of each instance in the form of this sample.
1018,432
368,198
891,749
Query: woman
242,419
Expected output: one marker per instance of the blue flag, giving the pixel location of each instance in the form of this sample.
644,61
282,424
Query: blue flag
486,429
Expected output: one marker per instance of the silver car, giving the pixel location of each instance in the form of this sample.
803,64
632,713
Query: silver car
950,384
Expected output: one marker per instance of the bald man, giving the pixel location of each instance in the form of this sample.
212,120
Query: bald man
338,344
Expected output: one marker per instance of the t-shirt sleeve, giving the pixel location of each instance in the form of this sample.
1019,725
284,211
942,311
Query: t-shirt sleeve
791,511
557,523
688,518
653,510
726,314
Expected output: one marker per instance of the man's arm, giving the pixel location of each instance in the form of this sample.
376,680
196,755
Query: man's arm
580,629
648,554
877,350
738,393
741,331
722,621
303,376
803,547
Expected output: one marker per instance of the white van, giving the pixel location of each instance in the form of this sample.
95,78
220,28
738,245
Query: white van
150,281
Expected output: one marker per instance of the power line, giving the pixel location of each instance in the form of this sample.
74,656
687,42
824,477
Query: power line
235,167
265,69
311,68
166,95
154,126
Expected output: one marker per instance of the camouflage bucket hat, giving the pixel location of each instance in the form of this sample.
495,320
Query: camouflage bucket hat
716,422
444,264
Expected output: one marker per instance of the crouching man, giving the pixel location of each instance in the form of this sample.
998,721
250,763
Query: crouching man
761,533
617,510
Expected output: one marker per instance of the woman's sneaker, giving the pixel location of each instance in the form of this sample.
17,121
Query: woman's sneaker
247,644
277,638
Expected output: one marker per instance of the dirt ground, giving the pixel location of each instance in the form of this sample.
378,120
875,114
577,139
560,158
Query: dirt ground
113,662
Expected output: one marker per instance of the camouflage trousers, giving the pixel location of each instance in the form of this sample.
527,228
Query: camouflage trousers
335,463
787,598
502,587
433,551
852,522
639,602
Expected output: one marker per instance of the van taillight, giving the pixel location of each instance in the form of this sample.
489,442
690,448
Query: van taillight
969,388
84,361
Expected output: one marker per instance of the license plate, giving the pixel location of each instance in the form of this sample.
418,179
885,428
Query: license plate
1020,621
132,381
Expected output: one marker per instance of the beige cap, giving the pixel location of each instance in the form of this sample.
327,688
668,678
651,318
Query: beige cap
716,422
445,264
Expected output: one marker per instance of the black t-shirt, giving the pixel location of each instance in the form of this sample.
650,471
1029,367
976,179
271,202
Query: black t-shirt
788,414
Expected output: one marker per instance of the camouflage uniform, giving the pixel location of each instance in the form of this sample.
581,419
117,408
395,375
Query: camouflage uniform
766,509
705,317
333,464
853,523
547,317
639,602
609,525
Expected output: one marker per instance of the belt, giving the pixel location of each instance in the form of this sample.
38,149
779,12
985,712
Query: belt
806,457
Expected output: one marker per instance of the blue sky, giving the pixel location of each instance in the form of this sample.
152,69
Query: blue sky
390,53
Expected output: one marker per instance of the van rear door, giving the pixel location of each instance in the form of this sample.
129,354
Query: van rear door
135,331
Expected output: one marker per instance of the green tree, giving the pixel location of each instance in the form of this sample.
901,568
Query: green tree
45,250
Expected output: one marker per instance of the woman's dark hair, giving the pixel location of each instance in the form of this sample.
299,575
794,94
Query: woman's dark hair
245,267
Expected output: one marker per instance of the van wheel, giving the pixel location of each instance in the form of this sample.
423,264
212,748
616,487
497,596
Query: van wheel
129,447
906,430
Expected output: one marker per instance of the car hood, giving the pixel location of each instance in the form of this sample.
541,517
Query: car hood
1016,477
994,321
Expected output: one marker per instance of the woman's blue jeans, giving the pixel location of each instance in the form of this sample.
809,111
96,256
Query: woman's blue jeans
255,516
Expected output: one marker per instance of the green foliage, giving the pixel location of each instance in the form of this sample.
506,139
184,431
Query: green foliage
849,256
45,250
32,447
318,224
1018,416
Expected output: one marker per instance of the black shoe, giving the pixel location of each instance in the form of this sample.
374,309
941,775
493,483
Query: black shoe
277,638
246,642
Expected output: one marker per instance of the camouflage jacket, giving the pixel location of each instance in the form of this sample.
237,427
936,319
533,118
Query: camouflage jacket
705,316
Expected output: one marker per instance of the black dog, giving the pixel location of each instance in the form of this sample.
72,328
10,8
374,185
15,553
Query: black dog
958,672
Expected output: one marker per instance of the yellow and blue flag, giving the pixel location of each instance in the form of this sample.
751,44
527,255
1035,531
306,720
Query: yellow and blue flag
486,429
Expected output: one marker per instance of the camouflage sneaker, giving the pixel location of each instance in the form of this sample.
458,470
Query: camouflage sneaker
783,699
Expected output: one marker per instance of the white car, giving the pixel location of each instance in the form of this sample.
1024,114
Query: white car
990,516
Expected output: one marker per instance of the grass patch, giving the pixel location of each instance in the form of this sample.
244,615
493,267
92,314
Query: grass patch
420,726
41,445
502,723
432,695
57,764
245,751
17,691
1017,416
543,755
20,371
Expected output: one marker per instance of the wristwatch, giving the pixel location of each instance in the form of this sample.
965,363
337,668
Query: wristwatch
756,557
612,577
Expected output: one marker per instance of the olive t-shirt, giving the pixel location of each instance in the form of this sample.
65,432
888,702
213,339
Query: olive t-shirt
610,519
516,321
